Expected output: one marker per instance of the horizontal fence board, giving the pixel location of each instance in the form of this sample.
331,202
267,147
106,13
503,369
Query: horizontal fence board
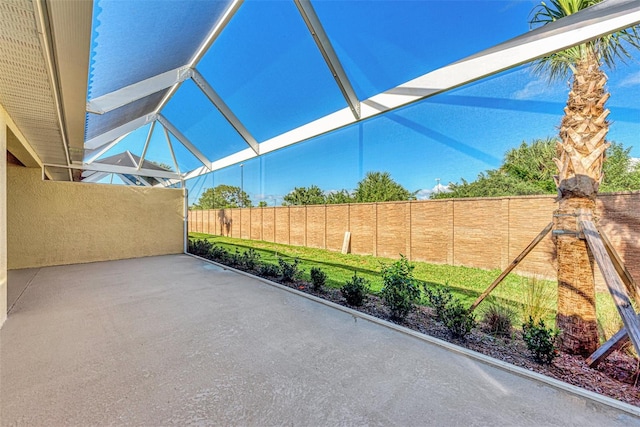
478,233
362,227
316,226
391,231
486,233
297,225
268,224
431,231
282,225
337,224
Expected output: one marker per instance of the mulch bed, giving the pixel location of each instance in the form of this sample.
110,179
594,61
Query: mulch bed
616,376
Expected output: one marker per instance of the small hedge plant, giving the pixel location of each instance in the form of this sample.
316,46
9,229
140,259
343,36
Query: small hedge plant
268,270
355,290
450,311
318,278
540,340
400,291
289,271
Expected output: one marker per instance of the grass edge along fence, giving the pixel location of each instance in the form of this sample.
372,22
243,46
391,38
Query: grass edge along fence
524,295
487,233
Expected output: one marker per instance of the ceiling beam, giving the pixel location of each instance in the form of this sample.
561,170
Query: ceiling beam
173,154
330,57
104,149
102,167
213,96
46,36
204,47
107,137
128,94
604,18
146,144
184,141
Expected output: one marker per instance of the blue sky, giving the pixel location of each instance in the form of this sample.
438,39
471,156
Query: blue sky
268,70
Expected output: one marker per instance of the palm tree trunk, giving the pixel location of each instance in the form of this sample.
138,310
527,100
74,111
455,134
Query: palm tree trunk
576,316
580,157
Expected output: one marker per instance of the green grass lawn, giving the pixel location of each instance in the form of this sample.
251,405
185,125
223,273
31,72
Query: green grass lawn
466,283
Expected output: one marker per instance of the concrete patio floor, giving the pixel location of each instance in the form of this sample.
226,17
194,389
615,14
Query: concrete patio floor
175,340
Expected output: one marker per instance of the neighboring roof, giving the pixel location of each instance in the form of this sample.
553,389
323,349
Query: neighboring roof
129,159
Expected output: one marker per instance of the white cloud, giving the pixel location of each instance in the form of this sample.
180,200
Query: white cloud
631,80
423,194
532,89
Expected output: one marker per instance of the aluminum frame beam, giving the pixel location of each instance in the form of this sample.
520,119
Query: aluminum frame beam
101,167
173,154
202,49
604,18
104,149
314,25
184,140
128,94
146,144
107,137
213,96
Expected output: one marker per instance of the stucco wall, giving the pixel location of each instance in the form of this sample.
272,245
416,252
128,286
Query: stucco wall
3,216
55,223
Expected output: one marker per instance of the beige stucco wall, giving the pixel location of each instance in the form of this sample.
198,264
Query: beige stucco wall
55,223
3,220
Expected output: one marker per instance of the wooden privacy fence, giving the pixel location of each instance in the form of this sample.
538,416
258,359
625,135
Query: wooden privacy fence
486,233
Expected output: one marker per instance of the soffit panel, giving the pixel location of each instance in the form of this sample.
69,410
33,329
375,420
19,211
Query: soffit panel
71,34
25,89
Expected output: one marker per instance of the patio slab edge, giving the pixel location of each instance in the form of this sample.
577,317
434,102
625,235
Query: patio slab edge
605,400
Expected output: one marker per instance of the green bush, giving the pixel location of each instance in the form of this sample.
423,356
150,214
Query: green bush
458,319
219,254
289,271
199,247
438,298
355,290
400,290
250,259
498,319
540,340
268,270
318,278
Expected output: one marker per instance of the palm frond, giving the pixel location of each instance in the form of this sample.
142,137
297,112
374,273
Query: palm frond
608,49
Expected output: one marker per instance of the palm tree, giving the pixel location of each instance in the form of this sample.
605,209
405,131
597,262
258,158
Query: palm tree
580,155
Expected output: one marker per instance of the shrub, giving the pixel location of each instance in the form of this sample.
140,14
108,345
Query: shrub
250,259
498,319
541,341
458,319
318,278
400,290
235,259
199,247
220,254
289,271
438,298
355,290
268,270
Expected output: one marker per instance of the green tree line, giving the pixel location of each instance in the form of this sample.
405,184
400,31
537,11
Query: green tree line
530,169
